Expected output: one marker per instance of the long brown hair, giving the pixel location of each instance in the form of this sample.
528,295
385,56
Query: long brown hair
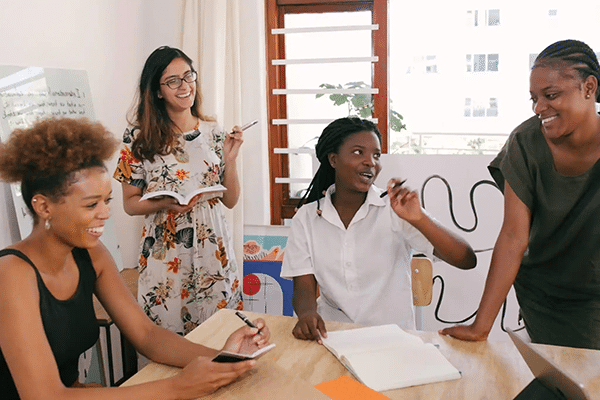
157,131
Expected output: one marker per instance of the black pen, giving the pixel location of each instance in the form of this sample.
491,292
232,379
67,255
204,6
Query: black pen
246,320
382,195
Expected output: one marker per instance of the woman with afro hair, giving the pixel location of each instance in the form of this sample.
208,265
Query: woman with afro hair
47,280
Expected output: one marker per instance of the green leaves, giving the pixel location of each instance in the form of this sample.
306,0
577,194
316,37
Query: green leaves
360,104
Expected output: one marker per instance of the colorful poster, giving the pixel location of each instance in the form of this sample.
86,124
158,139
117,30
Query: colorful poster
264,290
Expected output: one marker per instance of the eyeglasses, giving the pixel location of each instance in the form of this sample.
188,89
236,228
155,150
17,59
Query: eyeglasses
175,83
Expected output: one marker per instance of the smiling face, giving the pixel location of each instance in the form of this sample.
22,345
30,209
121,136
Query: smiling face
78,218
558,99
182,98
357,162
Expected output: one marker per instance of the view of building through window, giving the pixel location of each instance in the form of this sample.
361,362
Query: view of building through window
458,72
456,109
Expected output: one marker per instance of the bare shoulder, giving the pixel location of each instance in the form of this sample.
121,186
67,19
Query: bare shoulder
101,258
16,275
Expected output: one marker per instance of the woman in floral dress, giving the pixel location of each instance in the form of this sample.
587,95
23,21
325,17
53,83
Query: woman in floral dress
187,264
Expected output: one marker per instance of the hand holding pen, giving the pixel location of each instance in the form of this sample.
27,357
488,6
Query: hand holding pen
246,320
404,202
244,127
245,340
398,184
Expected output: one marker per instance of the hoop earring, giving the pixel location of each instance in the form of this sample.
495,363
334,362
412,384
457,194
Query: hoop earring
47,225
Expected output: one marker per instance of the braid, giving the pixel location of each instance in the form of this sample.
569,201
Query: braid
576,53
329,142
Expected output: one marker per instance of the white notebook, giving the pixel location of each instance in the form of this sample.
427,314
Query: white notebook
385,357
184,200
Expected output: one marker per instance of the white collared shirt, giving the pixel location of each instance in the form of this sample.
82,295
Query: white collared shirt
363,271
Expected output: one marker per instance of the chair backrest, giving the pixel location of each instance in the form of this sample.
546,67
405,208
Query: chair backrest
422,280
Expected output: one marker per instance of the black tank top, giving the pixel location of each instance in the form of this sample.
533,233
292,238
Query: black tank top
70,325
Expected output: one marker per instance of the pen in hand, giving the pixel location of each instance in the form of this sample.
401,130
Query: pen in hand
248,125
246,320
382,195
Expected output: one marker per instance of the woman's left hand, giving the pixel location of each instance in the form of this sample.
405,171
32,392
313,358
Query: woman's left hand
247,340
233,142
404,202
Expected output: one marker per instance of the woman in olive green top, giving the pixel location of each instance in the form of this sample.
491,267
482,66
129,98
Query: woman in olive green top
549,243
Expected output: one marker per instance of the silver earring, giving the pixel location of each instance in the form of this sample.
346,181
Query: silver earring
47,225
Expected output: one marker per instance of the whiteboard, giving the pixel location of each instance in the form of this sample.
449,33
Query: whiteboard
31,93
462,289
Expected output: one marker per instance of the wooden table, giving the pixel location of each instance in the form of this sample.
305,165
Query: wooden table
490,370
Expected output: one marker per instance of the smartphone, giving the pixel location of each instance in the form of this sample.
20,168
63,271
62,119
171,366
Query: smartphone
231,357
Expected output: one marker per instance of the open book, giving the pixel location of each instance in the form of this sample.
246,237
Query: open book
385,357
183,200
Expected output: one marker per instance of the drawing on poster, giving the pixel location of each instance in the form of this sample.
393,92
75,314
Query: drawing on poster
264,290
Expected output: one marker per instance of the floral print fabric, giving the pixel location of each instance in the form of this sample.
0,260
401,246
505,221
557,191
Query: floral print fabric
187,264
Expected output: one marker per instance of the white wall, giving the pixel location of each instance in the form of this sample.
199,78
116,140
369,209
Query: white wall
463,289
110,39
255,173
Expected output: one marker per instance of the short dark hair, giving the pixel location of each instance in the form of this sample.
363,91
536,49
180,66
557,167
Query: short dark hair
329,142
575,53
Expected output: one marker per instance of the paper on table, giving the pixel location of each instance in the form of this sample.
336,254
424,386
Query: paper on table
386,357
346,388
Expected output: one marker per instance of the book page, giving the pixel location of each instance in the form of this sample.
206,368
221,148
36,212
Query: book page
183,200
401,367
370,338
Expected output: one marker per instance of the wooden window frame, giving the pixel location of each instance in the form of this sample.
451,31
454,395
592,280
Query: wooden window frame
282,205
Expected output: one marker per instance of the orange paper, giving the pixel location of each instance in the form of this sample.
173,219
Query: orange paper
347,388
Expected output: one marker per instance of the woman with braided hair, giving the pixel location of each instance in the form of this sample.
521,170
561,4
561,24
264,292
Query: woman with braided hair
549,243
47,280
356,243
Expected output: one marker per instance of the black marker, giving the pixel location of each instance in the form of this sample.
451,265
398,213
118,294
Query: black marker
246,320
382,195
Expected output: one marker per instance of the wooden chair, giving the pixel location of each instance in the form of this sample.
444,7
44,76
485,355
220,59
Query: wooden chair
128,353
422,280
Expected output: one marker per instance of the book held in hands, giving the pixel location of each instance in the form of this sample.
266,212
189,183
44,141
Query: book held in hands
386,357
184,199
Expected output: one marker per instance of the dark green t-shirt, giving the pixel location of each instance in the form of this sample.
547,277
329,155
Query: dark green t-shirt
558,284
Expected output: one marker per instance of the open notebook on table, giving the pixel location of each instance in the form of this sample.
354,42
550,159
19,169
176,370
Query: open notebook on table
386,357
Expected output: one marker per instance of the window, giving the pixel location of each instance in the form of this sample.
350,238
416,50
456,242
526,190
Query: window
423,64
480,107
445,79
532,58
493,17
482,62
326,60
490,18
492,64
